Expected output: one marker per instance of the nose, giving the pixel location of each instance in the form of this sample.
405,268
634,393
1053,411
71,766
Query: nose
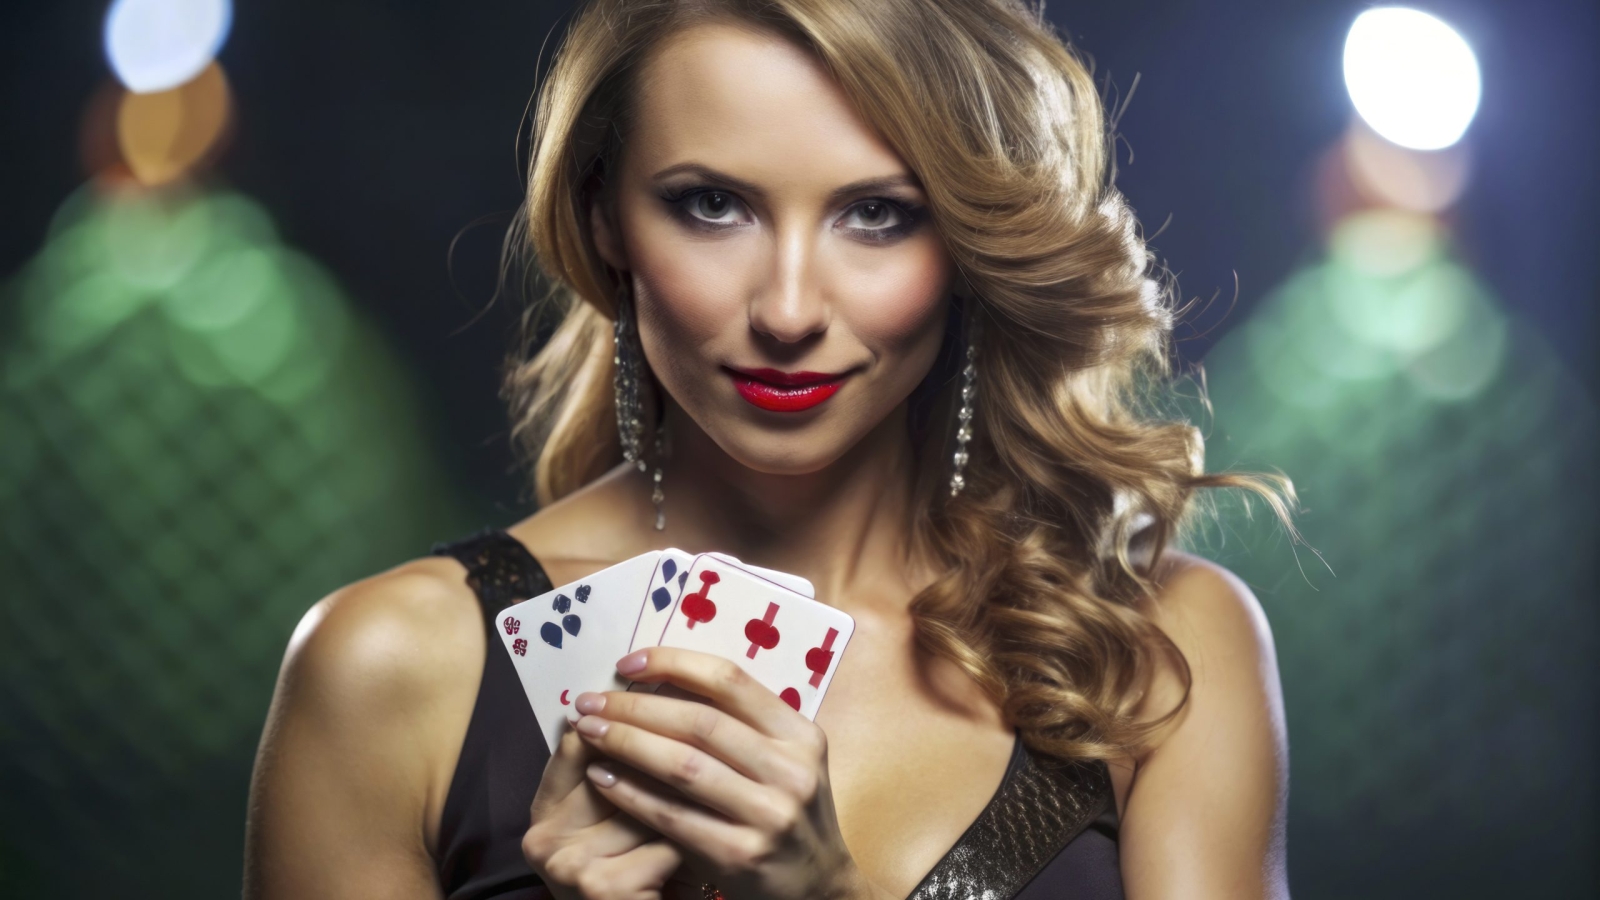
790,306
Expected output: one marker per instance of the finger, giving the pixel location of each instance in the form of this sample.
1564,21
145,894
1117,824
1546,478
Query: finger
639,874
728,687
616,834
696,724
693,772
577,849
563,784
685,823
622,874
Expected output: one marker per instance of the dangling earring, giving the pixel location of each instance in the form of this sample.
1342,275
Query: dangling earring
969,394
625,385
663,444
625,381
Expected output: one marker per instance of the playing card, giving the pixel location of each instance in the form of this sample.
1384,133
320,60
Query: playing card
667,583
672,568
792,582
567,641
788,642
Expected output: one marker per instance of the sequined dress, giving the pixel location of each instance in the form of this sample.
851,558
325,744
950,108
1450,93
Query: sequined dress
1049,831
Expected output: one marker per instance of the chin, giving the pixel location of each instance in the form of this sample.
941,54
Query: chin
783,448
776,453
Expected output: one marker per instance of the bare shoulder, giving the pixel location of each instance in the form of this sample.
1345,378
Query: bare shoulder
1215,621
372,703
388,638
1204,604
1221,835
397,653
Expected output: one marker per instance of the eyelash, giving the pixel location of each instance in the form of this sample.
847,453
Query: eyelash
911,214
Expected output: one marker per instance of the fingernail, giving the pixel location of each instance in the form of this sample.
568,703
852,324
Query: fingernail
632,663
589,702
593,727
601,775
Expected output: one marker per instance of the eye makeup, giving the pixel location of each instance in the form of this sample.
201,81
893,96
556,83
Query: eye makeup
685,205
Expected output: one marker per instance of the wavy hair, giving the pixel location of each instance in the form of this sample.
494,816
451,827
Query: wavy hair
1075,481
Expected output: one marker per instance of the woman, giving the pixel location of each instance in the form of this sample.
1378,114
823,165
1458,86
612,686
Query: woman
848,280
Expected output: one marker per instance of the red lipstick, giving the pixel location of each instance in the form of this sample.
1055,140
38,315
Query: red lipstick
776,391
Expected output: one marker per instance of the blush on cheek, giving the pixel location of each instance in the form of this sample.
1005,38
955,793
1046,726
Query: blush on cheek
899,308
682,316
689,292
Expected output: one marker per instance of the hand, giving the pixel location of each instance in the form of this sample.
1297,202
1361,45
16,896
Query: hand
581,846
740,785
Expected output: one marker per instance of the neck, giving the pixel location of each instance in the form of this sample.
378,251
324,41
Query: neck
844,527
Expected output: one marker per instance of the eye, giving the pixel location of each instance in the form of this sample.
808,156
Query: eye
707,207
883,220
878,215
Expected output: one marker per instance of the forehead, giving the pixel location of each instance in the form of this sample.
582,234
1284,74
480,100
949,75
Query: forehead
752,104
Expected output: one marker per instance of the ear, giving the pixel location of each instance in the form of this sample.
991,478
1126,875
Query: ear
606,240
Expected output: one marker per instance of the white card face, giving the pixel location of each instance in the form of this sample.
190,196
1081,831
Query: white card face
790,643
666,583
568,640
792,582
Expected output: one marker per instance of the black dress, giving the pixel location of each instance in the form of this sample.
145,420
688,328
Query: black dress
1049,831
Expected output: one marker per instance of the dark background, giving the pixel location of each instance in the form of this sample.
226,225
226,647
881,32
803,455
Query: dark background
1439,680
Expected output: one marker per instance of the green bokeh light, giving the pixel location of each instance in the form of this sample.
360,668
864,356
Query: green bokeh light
1445,461
201,438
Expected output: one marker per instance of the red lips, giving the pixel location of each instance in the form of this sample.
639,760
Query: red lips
776,391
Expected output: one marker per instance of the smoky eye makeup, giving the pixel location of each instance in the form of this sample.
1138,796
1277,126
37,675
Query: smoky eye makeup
703,207
710,209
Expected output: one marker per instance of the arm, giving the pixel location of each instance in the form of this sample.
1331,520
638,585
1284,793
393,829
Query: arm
1205,813
340,797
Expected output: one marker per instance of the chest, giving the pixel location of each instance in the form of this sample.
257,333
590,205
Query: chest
915,753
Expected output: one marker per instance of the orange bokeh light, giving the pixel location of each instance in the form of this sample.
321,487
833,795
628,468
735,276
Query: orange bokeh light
167,134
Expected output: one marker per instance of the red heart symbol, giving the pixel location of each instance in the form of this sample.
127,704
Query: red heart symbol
817,659
791,697
761,634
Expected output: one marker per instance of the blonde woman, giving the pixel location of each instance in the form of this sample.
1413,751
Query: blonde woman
843,290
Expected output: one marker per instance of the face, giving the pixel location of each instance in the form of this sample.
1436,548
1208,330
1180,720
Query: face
789,285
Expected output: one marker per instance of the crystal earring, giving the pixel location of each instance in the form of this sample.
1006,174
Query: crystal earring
663,447
625,381
625,385
969,394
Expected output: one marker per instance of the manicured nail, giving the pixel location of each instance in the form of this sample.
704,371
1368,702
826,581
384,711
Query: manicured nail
632,663
601,775
590,702
593,727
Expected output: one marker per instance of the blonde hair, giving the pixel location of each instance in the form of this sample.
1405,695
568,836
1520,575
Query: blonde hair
1071,475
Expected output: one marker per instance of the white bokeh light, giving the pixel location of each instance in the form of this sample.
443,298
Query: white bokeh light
156,45
1411,77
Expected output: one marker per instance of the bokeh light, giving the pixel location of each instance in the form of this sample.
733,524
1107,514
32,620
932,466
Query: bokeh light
156,45
1411,77
201,437
1428,676
1392,175
164,134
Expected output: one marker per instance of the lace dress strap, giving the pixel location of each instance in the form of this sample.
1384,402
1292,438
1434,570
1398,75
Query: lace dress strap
500,570
503,754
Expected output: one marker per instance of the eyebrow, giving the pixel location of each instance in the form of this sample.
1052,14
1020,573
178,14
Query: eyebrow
866,185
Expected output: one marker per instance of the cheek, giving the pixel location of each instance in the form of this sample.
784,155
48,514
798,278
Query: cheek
899,308
686,291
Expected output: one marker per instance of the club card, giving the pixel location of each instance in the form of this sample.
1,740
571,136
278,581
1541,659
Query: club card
567,641
790,643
